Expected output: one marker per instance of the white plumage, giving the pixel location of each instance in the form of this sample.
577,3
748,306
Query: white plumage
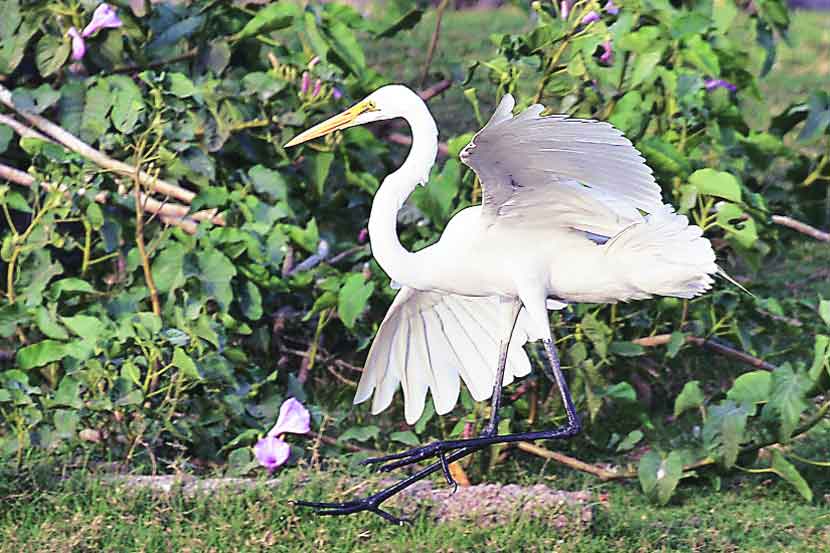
570,213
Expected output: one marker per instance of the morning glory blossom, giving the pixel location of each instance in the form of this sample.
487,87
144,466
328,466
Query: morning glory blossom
590,17
611,8
104,17
712,84
271,451
78,45
607,56
565,8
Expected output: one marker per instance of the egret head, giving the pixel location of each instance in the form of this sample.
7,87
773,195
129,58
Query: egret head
387,102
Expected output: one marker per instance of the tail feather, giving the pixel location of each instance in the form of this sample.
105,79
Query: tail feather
664,255
427,341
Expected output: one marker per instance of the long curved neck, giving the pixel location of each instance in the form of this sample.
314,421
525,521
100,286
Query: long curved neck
399,263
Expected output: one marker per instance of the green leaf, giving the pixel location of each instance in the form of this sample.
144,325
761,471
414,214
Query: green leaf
183,362
275,16
788,472
68,393
699,53
689,24
42,353
353,297
88,328
821,357
67,285
678,339
51,53
721,184
6,136
691,397
216,273
180,86
787,400
240,462
659,476
739,224
97,104
663,156
824,311
346,50
626,349
628,113
320,166
35,100
597,332
269,183
307,238
818,117
127,103
48,325
632,439
402,23
360,433
66,422
176,32
168,267
405,437
724,431
621,391
264,85
751,388
250,301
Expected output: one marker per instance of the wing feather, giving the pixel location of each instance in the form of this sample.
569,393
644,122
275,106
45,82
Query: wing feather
528,163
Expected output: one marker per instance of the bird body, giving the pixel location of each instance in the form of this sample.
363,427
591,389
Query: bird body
570,213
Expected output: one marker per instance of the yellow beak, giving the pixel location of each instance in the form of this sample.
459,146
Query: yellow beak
340,121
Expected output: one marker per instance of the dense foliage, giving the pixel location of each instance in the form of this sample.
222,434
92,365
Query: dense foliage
134,332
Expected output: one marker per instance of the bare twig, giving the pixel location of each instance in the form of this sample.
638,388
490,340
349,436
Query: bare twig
402,139
428,94
573,462
716,346
433,41
803,228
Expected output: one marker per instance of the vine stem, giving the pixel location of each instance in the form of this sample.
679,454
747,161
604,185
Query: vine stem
18,248
433,41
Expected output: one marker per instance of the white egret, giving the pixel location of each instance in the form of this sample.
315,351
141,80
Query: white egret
570,213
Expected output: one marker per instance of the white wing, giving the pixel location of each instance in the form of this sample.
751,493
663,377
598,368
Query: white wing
556,170
427,340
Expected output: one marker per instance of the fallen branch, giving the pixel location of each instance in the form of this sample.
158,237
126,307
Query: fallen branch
723,349
803,228
78,146
403,140
574,463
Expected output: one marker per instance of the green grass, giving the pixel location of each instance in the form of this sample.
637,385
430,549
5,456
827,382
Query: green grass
464,39
82,514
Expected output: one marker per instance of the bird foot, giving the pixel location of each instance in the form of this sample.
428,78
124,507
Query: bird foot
370,504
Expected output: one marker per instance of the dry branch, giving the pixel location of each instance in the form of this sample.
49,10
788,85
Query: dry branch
78,146
803,228
723,349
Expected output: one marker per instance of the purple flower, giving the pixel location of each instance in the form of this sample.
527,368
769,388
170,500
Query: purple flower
362,236
712,84
611,8
104,17
318,84
314,61
294,419
78,45
336,94
607,56
271,451
305,83
565,8
591,17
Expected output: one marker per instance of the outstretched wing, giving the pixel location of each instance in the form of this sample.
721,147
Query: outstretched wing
556,170
427,341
